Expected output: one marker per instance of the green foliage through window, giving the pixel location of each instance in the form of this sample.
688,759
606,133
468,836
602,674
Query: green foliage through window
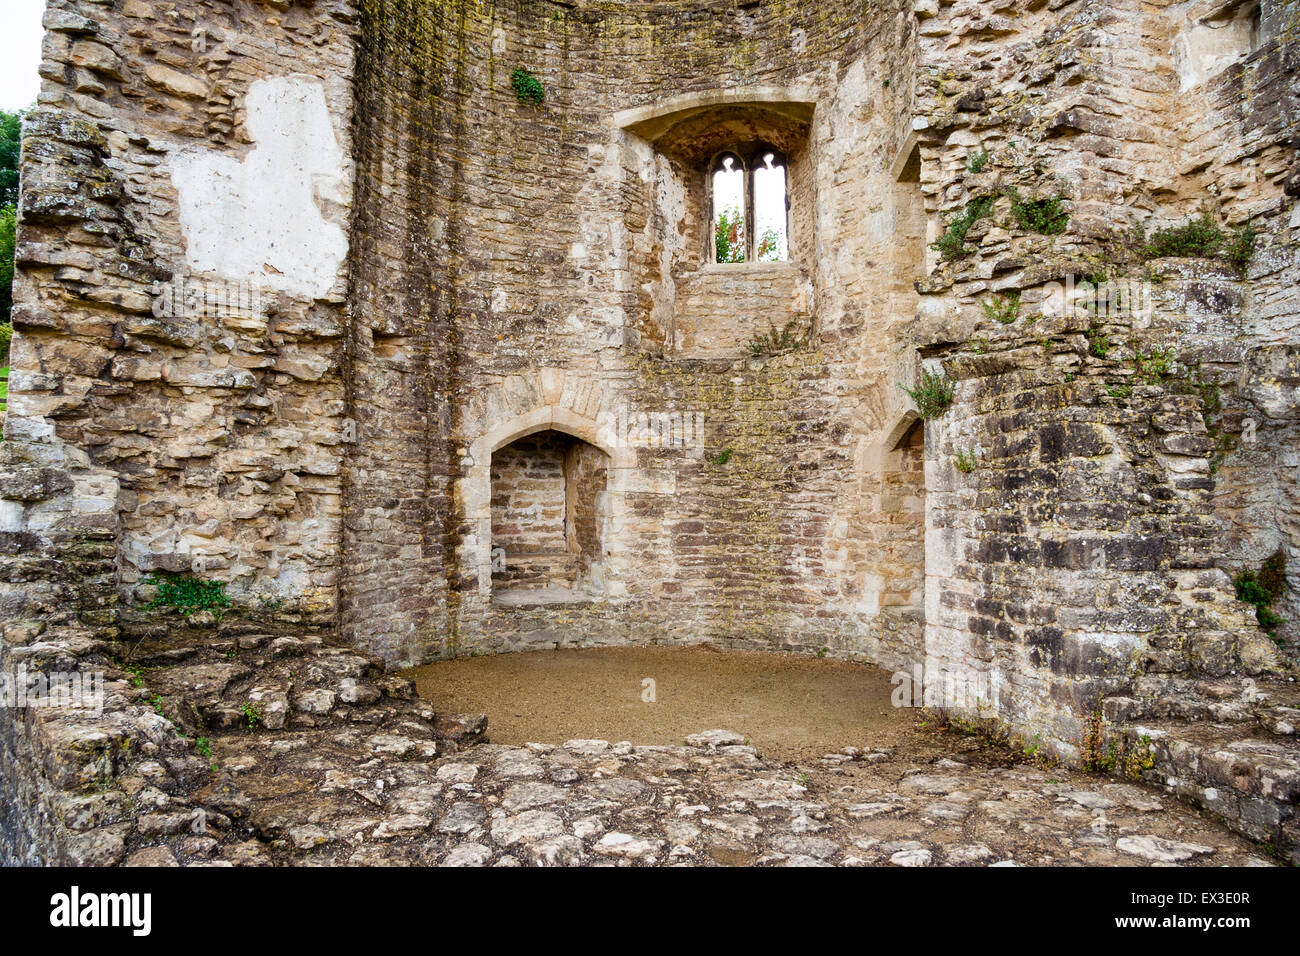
729,236
11,130
769,247
8,226
11,126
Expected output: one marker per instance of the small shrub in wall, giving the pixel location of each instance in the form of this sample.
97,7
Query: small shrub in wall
1046,216
934,393
527,87
952,244
189,595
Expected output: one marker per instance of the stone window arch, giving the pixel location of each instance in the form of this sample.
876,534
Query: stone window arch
770,190
750,206
728,182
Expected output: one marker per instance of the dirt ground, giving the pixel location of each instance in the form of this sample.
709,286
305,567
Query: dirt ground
792,708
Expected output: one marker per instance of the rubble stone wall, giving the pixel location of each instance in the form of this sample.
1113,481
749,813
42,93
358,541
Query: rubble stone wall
291,273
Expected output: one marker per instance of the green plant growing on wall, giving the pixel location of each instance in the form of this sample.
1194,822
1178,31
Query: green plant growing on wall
774,342
203,747
1221,441
1002,309
729,236
966,460
952,244
1137,758
1093,755
978,161
1240,246
1098,342
723,458
1262,588
1200,237
136,673
528,88
1155,366
189,595
1046,216
934,394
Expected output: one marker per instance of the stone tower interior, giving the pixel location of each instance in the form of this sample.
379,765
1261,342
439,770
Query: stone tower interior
321,300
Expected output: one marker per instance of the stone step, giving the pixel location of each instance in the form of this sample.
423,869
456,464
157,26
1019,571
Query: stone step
1236,770
1273,703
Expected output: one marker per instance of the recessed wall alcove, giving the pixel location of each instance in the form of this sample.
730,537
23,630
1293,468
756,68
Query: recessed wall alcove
724,166
543,495
549,509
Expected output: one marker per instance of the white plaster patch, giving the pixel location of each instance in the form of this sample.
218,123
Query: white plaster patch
1205,50
260,219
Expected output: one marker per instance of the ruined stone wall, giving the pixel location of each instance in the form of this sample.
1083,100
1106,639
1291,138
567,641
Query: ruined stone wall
292,274
180,289
1083,562
735,534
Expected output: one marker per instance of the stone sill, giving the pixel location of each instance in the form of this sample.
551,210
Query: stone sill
539,597
740,269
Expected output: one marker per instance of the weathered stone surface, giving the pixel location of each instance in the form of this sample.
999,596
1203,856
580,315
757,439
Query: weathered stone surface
1160,850
429,355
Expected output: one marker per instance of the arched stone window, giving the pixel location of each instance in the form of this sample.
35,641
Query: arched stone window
729,204
771,208
751,208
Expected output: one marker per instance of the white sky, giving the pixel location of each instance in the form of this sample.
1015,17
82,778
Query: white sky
20,52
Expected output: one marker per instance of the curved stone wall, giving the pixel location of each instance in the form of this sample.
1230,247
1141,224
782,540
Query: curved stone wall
518,238
434,265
